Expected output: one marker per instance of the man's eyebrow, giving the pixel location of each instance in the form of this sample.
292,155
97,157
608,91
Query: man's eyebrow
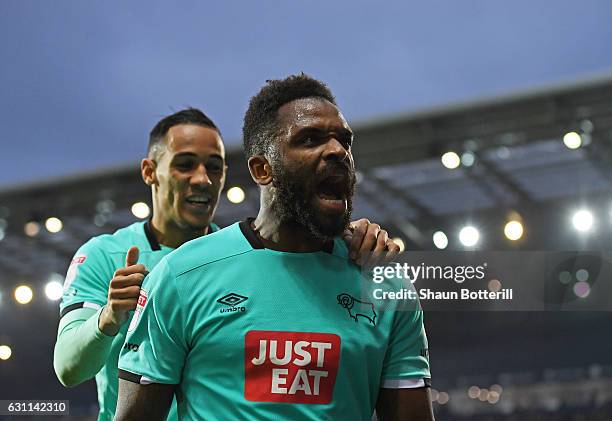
191,154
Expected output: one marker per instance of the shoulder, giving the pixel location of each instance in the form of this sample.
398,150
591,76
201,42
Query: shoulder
220,245
119,241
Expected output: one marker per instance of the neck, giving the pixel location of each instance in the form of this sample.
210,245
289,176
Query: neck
283,235
171,235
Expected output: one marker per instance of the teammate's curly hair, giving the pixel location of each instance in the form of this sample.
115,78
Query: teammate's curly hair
260,128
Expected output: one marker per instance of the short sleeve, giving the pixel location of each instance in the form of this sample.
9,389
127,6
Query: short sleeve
406,363
87,279
155,347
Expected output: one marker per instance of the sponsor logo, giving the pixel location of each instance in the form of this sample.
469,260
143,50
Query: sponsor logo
291,367
357,308
232,300
142,301
131,347
73,270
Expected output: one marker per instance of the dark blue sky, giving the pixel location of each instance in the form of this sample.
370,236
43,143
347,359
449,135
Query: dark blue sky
82,82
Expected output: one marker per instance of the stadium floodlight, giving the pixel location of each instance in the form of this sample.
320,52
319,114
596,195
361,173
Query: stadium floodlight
54,225
400,243
5,352
23,294
140,210
440,240
235,195
582,289
31,228
54,290
473,392
468,159
469,236
451,160
583,220
572,140
513,230
443,398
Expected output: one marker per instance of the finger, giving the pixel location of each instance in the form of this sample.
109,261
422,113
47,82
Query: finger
393,249
127,292
377,254
369,242
359,231
123,281
123,304
139,268
131,258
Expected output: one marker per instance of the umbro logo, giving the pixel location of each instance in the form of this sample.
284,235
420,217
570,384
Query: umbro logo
232,300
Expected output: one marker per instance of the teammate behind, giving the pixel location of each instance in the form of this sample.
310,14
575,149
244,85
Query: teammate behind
185,169
251,322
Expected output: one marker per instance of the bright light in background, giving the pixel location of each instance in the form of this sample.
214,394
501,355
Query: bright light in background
583,220
469,236
235,195
451,160
582,289
473,392
54,290
572,140
23,294
513,230
31,228
53,225
5,352
400,243
468,159
494,285
440,240
443,398
140,210
1,234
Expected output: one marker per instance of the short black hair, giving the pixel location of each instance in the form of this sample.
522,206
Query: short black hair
260,128
187,116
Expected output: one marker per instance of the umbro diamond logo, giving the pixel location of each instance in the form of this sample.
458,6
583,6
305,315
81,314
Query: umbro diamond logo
232,300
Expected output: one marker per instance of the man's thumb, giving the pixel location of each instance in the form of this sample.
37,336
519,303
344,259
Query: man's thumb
132,256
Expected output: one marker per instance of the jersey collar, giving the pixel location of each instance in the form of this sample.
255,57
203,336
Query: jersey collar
251,236
148,229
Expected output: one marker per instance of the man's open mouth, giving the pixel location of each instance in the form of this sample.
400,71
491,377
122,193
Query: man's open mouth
332,193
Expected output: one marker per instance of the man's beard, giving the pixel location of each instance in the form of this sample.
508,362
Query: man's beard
293,200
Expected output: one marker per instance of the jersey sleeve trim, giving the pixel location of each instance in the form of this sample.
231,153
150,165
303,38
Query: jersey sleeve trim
406,383
136,378
84,304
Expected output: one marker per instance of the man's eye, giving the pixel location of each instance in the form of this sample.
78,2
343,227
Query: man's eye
216,168
186,165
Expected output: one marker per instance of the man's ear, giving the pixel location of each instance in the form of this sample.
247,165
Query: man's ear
147,170
260,169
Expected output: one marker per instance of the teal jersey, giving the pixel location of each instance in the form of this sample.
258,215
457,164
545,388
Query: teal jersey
252,333
86,285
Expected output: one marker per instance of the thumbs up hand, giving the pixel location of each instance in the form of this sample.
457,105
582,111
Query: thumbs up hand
123,292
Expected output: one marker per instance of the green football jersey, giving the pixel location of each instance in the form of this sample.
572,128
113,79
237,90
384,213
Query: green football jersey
86,286
252,333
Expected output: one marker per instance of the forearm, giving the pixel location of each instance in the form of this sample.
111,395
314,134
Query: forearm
81,348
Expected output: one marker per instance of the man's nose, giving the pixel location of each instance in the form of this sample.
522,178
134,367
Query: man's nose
200,176
335,150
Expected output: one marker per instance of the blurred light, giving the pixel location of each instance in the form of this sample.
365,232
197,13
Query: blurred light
1,234
358,177
473,392
440,240
469,236
140,210
586,126
53,225
235,195
23,294
503,152
583,220
5,352
434,395
468,159
105,206
496,388
54,290
31,228
451,160
483,395
565,277
443,398
513,230
493,397
100,219
572,140
400,243
582,275
582,289
3,223
495,285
